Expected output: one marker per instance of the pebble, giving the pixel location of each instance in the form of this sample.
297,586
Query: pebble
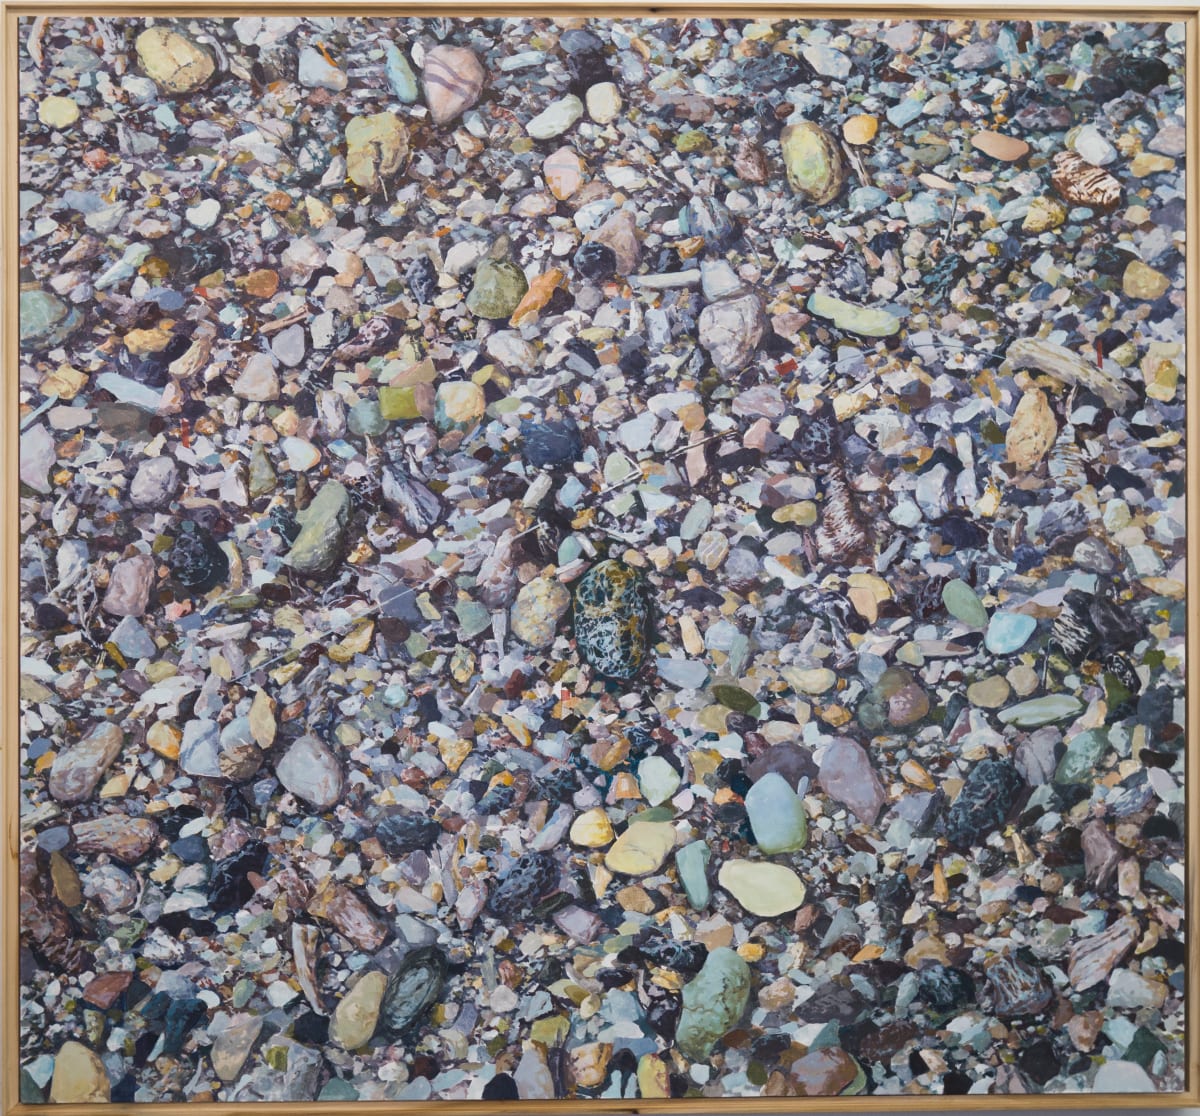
731,330
641,849
714,1002
129,586
776,815
376,148
846,775
963,603
592,829
453,79
323,524
657,779
1008,632
498,289
356,1016
154,484
317,72
691,862
763,888
556,118
75,772
536,612
866,321
563,171
79,1076
816,169
311,771
1006,149
612,617
58,112
823,1073
604,102
173,61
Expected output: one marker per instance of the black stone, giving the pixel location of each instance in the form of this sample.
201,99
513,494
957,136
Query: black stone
666,953
595,260
412,990
893,896
551,442
181,1017
311,1028
401,834
502,1087
945,988
191,850
987,798
197,561
47,617
557,785
1139,74
528,882
817,441
229,887
1039,1061
587,67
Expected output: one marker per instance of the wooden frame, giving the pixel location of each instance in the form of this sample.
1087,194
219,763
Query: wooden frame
9,518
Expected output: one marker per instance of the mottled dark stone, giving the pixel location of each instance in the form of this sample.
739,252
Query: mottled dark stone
988,796
532,879
229,886
401,834
412,990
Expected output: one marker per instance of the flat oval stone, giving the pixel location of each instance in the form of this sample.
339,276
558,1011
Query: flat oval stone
75,772
357,1014
612,619
173,61
813,160
963,604
592,829
536,612
763,888
1042,711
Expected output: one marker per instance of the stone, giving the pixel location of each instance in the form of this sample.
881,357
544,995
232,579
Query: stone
258,381
453,80
497,290
1093,958
536,612
731,330
641,849
862,320
45,319
79,1076
908,705
777,815
311,771
1082,758
1005,149
1101,854
232,1046
612,619
691,862
1017,988
963,604
1129,991
458,405
555,118
714,1002
58,112
816,169
1046,710
1143,282
1032,431
846,775
128,839
376,149
860,129
1008,632
76,771
763,888
1061,364
592,829
356,1016
323,525
989,693
37,457
563,171
532,1077
154,484
412,989
1091,146
173,61
1043,214
823,1073
620,233
657,779
987,797
315,71
129,586
604,102
400,75
1117,1076
204,214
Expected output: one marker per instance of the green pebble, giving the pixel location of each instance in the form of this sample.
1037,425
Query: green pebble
366,419
963,604
398,403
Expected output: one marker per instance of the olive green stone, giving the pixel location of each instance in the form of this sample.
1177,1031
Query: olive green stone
813,161
499,287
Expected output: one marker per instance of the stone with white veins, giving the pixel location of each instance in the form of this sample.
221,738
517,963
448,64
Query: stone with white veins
731,329
76,771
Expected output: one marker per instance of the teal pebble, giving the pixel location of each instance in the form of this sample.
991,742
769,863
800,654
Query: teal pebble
713,1003
1008,632
400,75
691,862
365,419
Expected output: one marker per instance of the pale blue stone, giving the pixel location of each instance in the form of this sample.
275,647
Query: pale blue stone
867,198
776,815
691,862
683,674
400,75
1008,632
905,112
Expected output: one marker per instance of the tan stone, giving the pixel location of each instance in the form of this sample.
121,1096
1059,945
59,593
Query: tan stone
79,1076
1007,149
357,1014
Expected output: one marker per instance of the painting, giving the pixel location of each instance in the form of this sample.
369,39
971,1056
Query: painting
630,560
